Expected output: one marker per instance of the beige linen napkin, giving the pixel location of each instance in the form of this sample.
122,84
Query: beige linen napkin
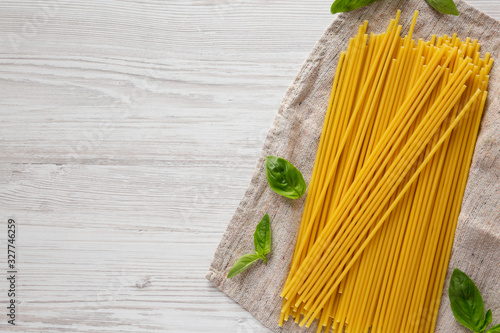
295,136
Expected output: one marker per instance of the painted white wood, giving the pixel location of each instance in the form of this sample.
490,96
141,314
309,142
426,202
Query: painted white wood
128,133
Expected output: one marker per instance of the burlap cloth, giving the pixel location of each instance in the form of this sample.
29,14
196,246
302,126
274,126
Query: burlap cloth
294,136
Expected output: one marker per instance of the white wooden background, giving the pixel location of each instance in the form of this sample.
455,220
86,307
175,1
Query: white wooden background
128,133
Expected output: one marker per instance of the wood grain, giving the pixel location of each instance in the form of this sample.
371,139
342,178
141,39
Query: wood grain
128,133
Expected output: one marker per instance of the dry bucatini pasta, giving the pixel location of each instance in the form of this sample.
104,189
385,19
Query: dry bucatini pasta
388,180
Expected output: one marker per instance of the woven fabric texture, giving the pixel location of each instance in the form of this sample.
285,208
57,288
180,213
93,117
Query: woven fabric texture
295,134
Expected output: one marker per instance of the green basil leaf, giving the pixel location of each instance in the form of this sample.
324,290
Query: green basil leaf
494,329
340,6
284,178
466,301
241,264
444,6
487,320
262,238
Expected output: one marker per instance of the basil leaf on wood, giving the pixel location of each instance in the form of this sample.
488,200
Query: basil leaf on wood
284,178
262,238
444,6
494,329
243,263
466,301
340,6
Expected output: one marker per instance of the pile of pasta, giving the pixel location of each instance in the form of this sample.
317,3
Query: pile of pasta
388,181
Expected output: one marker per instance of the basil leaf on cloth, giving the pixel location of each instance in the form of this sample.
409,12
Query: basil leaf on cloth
466,301
487,320
262,238
444,6
284,178
494,329
242,264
